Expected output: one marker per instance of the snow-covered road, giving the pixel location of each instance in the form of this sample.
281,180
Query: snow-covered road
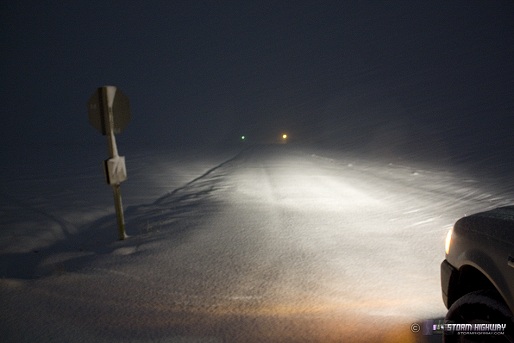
269,244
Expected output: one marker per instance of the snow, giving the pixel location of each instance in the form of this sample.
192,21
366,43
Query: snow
248,243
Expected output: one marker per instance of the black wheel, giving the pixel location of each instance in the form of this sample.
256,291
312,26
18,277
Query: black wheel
481,307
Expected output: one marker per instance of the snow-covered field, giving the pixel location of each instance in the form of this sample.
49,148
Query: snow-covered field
272,243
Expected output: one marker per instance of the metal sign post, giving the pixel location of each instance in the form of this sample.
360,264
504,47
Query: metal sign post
109,112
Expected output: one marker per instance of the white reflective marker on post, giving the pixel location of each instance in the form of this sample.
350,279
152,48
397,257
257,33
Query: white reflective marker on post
109,112
115,170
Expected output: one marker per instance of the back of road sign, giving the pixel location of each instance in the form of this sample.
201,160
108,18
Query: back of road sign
98,110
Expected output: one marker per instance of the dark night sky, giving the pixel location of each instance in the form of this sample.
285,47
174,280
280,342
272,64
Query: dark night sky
390,72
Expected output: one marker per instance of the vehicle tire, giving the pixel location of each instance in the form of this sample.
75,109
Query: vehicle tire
480,307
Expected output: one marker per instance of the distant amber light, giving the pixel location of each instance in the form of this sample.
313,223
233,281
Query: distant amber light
284,136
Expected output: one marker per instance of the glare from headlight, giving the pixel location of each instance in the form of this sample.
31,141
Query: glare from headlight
448,241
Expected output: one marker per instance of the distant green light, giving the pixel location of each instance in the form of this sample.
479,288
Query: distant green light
243,138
